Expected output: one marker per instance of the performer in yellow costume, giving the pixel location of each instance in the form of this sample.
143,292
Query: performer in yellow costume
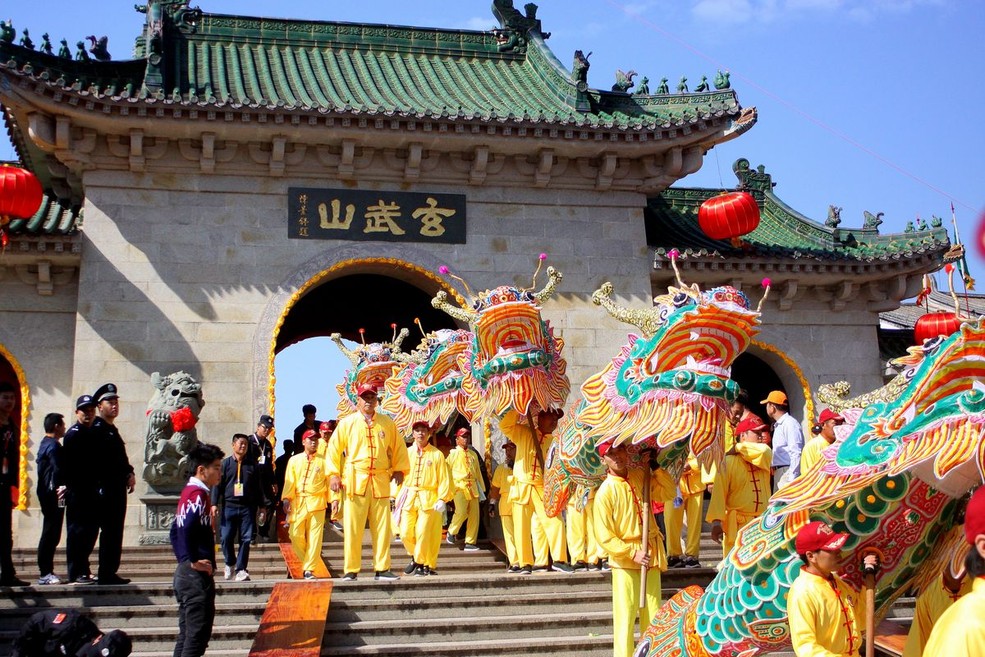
618,514
325,431
467,480
305,498
931,605
686,503
422,502
528,492
826,424
826,614
742,491
960,631
583,548
365,453
499,498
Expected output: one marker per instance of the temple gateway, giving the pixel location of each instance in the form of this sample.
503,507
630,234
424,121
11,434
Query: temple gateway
244,183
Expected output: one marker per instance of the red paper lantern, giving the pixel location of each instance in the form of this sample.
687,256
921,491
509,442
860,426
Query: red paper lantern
20,193
730,215
932,325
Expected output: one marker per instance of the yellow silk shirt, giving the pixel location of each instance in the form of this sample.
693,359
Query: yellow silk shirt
362,452
826,617
960,631
812,452
743,489
618,516
931,604
305,485
503,480
527,470
429,479
465,473
691,482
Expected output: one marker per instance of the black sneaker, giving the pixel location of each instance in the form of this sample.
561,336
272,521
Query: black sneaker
581,565
525,570
385,576
349,577
675,561
562,567
450,539
513,570
419,571
309,575
605,567
471,547
411,567
84,580
691,562
541,569
430,571
336,525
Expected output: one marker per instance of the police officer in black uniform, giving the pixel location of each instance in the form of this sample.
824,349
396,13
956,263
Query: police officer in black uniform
80,459
116,480
261,452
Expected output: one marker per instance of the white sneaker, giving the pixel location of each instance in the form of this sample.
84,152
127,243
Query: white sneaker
242,576
228,572
50,578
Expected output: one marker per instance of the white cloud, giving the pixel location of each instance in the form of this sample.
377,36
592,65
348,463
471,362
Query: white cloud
766,11
723,11
480,23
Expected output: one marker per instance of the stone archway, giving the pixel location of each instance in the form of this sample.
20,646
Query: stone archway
11,372
357,283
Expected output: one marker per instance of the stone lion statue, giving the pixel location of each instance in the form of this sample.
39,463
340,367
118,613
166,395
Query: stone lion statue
172,414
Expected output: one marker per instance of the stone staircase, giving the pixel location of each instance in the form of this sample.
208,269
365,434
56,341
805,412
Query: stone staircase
471,608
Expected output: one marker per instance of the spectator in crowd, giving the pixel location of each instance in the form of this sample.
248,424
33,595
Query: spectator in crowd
960,631
9,483
826,614
116,481
261,453
193,542
239,500
51,496
61,632
788,439
309,423
82,495
305,499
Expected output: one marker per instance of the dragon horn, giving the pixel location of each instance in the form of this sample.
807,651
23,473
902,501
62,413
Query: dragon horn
417,320
393,326
554,277
673,255
362,336
349,353
540,262
447,272
399,338
642,318
440,301
766,293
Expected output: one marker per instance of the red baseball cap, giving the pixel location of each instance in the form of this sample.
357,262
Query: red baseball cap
604,447
464,431
421,423
751,423
818,535
828,414
310,433
328,425
364,388
974,516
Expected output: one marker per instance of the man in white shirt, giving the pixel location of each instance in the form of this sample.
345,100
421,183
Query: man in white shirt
788,439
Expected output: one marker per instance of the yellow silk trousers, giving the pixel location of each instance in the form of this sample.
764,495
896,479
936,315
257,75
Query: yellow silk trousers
508,539
466,511
306,539
420,532
358,510
581,534
625,607
674,519
551,536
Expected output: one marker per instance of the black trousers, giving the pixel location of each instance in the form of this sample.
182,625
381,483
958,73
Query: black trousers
51,532
112,515
82,522
7,573
195,593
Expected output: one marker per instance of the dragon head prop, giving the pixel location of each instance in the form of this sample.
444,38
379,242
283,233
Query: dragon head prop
371,363
514,359
429,388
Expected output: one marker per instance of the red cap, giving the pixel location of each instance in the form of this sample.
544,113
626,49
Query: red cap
751,423
310,433
828,414
818,535
603,447
364,388
974,516
420,423
328,425
464,431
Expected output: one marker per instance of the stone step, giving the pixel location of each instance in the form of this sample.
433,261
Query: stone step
578,645
241,612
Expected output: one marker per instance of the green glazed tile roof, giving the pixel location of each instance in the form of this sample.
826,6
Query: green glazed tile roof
219,61
54,217
672,223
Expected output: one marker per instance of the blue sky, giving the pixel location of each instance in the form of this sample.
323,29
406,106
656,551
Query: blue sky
866,104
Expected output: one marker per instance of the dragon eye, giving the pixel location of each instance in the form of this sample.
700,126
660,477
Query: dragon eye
175,393
681,300
931,344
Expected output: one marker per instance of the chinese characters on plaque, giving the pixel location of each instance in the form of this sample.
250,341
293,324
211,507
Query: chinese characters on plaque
350,214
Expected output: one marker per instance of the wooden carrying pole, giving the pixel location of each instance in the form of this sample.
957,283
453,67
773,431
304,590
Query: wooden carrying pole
869,585
647,518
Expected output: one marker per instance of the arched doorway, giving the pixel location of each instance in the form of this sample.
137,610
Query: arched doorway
11,374
757,378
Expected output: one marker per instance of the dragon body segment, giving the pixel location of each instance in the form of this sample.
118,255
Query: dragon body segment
890,480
